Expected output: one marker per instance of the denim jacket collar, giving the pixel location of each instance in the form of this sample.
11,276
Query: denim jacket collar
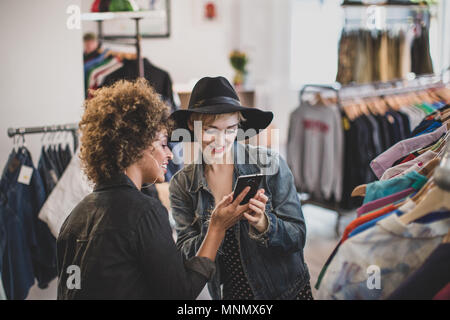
198,179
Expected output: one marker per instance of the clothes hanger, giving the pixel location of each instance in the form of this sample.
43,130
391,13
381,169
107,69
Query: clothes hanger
348,110
364,109
446,238
122,55
435,199
438,196
359,191
429,167
371,106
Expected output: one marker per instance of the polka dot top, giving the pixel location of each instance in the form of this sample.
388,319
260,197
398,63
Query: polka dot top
235,283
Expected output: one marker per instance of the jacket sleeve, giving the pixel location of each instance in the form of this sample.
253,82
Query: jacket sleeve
286,225
189,229
169,275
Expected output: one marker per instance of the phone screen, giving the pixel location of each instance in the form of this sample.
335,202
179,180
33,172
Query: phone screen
253,181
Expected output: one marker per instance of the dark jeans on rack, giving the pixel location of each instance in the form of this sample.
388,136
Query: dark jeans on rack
25,201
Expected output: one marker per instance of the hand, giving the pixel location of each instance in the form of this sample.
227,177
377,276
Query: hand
256,214
228,212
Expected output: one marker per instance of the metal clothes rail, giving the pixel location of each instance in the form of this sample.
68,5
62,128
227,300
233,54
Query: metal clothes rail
70,127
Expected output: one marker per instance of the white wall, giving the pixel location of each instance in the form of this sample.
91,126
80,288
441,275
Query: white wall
41,75
41,68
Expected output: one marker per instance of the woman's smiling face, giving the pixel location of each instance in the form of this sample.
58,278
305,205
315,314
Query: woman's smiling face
218,137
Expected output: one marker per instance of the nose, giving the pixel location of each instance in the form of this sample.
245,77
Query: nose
169,154
220,137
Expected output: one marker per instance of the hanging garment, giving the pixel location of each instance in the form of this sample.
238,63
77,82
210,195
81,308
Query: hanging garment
384,161
17,265
379,203
431,217
315,150
70,190
379,189
411,165
426,281
443,294
21,202
420,52
409,246
359,148
48,172
3,239
159,79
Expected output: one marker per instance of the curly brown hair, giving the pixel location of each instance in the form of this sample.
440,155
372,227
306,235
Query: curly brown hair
118,124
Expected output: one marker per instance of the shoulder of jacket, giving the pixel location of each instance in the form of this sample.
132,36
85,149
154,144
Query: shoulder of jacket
182,177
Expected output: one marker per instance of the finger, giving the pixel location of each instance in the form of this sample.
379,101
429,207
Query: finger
240,209
257,203
263,198
255,209
241,196
250,218
226,200
260,191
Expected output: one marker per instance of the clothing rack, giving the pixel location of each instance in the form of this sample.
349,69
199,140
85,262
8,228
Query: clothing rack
442,173
377,89
125,40
71,127
395,86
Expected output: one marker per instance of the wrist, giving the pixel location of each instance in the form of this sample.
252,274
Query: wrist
261,227
216,231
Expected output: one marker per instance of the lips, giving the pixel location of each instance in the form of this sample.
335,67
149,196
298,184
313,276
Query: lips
219,150
164,166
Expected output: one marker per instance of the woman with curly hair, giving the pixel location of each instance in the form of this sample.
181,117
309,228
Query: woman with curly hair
117,242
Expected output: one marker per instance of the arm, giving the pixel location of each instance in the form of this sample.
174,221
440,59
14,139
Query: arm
226,213
286,226
188,226
168,274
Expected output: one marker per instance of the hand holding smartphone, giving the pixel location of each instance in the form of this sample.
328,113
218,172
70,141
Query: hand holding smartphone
251,180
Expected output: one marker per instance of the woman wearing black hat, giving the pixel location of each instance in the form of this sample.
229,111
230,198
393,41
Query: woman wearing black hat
261,256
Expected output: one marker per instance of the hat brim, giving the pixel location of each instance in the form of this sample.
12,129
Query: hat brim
255,118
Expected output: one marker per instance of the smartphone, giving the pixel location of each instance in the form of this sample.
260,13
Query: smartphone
253,181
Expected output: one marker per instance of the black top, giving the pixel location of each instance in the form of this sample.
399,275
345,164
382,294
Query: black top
235,282
159,79
122,242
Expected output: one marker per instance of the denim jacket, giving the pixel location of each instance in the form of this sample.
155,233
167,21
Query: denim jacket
273,261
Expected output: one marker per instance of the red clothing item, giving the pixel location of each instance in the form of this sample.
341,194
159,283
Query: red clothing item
366,218
408,158
444,294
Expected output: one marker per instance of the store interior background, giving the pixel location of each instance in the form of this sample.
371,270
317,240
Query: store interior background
289,43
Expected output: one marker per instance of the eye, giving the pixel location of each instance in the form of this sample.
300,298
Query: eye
210,131
230,131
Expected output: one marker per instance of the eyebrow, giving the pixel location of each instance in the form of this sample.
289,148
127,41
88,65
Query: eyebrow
227,127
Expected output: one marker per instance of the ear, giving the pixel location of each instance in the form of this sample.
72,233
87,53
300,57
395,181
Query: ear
190,125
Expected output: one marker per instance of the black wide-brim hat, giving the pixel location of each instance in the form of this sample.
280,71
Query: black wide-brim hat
217,96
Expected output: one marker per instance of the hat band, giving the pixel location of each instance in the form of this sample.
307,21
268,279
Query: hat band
216,100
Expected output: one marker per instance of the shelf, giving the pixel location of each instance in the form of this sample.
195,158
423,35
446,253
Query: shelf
102,16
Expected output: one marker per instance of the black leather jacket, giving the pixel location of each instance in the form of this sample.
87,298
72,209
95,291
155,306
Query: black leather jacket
122,242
